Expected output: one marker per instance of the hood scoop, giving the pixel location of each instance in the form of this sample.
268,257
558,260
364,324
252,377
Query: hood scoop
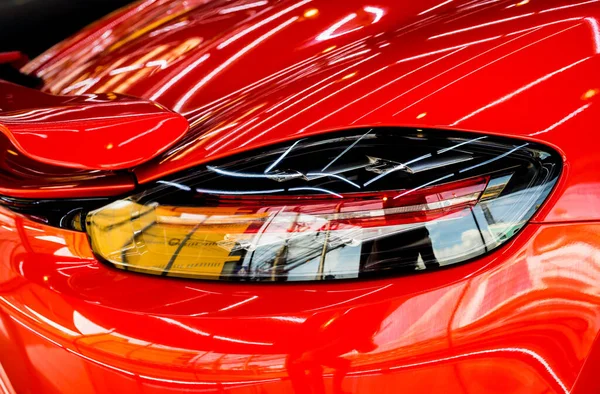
90,132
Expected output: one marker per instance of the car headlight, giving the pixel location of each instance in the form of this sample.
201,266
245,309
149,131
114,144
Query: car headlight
341,205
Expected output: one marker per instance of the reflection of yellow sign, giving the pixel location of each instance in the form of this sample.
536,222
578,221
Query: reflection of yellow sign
185,242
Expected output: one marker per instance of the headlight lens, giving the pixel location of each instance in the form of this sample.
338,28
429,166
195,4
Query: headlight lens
343,205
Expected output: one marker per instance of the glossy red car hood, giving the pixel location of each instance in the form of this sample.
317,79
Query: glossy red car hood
254,73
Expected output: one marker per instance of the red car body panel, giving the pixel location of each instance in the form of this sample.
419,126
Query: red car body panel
110,128
525,71
524,319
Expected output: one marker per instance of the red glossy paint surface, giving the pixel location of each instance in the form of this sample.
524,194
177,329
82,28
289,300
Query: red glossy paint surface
11,57
525,319
23,177
92,132
269,72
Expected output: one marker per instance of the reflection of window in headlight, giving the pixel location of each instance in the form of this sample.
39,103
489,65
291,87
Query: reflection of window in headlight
358,203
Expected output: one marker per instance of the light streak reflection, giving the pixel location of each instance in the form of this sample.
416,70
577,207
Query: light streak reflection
494,159
519,91
435,7
528,352
324,174
243,7
190,93
315,189
294,103
346,150
234,192
498,21
563,120
255,26
568,6
283,155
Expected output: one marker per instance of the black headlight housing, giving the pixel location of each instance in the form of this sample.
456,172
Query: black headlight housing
350,204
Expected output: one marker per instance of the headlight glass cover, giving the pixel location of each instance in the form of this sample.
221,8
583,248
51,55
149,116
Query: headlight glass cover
342,205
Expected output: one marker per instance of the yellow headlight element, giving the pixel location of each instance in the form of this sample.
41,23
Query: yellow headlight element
183,242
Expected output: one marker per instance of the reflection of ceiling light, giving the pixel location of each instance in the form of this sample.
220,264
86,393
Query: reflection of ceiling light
349,75
330,33
378,12
331,48
311,13
243,7
421,116
589,94
435,7
522,2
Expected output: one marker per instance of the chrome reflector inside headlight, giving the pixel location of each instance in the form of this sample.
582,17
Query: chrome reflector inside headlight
335,206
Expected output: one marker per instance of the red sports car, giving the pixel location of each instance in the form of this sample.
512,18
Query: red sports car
308,196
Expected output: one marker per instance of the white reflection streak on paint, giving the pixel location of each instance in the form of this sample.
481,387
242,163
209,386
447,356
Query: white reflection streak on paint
378,12
563,120
481,25
435,7
519,91
406,92
274,76
568,6
330,32
237,383
239,303
486,65
135,137
350,56
125,69
315,104
243,7
178,77
183,326
52,323
235,340
375,91
595,32
531,353
261,23
287,107
353,298
543,25
228,62
462,46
